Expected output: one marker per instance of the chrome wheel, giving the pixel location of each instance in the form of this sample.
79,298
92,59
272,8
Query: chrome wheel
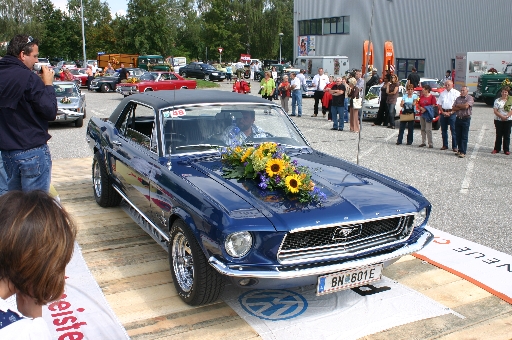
183,263
96,179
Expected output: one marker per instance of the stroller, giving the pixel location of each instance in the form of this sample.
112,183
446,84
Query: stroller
241,86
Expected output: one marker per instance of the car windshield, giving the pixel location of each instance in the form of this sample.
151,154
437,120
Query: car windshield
65,90
76,71
374,91
432,83
209,67
155,61
200,128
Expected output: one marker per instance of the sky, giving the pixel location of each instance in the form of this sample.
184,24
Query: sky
116,6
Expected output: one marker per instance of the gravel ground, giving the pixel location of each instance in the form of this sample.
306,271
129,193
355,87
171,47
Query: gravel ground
468,195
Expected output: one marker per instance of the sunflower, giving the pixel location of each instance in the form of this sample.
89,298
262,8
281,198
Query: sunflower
246,154
293,183
274,167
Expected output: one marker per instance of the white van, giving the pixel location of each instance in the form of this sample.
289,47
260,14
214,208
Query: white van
332,65
179,62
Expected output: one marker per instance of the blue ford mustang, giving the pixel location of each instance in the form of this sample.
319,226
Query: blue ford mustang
161,154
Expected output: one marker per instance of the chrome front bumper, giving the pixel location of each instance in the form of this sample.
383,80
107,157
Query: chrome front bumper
126,92
244,271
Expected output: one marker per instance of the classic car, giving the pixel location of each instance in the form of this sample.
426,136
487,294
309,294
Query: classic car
79,74
261,209
156,81
372,102
108,83
202,71
70,103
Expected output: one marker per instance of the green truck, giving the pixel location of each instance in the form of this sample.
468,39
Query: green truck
153,63
489,85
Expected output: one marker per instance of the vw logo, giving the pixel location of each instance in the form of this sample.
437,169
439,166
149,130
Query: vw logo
273,304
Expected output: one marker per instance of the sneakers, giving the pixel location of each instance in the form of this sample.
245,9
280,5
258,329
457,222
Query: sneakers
494,152
422,145
314,115
461,155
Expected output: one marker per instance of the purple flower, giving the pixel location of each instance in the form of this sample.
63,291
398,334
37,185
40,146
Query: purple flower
294,162
277,179
245,163
263,185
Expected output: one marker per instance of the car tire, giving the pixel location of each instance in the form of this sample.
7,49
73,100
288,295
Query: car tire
184,74
85,113
207,77
436,125
79,122
196,282
105,88
104,194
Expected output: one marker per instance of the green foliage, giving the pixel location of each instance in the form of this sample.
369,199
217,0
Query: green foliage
194,29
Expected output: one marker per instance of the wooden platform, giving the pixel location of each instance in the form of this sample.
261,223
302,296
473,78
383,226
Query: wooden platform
133,272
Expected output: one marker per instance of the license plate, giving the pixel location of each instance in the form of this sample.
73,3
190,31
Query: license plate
222,76
334,282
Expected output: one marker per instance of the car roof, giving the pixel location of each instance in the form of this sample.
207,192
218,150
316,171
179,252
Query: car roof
168,98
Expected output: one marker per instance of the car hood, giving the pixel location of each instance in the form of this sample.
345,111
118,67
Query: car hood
352,193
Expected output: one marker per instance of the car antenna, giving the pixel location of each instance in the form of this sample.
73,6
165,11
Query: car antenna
364,86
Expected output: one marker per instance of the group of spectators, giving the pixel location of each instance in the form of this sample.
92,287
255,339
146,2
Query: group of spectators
36,234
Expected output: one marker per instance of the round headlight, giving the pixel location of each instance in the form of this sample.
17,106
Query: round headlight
238,243
420,217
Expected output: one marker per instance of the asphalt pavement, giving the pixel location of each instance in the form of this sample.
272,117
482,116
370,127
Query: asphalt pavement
469,195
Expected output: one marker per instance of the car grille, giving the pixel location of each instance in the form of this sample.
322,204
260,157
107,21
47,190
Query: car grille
343,240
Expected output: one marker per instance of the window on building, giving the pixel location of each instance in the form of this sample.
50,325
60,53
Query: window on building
337,25
310,27
404,67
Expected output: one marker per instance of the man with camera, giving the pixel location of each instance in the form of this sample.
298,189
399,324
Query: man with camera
27,104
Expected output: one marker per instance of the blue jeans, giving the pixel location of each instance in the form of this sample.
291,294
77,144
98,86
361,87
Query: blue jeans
337,116
3,179
410,132
462,133
297,101
347,101
445,121
391,115
28,170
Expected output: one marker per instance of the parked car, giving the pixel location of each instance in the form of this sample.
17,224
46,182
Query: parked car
107,84
372,102
436,86
165,154
156,81
70,103
202,71
69,64
79,74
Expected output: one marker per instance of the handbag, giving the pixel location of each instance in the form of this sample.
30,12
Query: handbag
406,117
357,103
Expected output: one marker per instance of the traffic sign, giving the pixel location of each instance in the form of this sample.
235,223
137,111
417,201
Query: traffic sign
220,49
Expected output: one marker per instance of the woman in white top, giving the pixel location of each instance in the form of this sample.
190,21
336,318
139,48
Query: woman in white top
502,122
36,244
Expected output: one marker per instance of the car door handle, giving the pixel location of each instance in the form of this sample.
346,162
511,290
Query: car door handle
116,142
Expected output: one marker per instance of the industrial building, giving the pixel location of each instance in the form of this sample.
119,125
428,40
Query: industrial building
425,34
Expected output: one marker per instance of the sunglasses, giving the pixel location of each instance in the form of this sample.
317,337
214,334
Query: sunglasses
30,39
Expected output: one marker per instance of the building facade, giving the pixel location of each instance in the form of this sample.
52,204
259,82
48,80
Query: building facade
425,34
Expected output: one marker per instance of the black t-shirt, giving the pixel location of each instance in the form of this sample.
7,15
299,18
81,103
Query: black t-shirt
123,73
338,100
414,79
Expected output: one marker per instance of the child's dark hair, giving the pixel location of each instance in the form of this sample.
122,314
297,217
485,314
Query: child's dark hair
36,243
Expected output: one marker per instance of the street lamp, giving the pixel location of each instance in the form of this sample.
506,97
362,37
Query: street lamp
280,43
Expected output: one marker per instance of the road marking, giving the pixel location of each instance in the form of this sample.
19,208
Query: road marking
375,146
471,164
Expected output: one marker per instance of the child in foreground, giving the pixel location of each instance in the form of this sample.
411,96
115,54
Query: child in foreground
36,243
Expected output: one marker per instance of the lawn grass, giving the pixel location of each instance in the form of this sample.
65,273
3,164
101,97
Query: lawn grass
203,84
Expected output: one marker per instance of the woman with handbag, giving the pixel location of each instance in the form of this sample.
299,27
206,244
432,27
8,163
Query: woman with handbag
284,93
408,105
425,100
268,86
355,105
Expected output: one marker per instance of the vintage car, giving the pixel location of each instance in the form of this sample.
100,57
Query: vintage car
80,75
202,71
156,81
259,208
70,103
108,83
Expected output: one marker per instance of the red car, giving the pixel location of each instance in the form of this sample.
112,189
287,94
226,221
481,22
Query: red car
79,74
156,81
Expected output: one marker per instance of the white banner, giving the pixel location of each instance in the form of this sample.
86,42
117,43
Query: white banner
485,267
349,314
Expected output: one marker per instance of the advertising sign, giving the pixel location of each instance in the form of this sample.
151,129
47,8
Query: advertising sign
306,45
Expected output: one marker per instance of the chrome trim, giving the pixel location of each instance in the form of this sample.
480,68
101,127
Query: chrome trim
240,271
322,226
141,214
322,254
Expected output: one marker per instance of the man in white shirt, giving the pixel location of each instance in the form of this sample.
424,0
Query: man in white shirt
302,78
295,87
319,81
445,103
